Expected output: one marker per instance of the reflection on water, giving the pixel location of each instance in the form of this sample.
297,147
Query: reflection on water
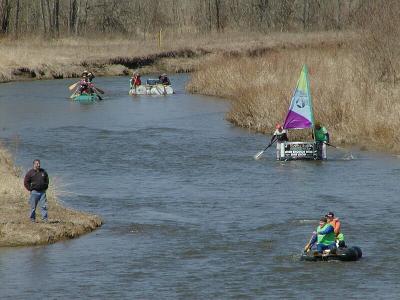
188,212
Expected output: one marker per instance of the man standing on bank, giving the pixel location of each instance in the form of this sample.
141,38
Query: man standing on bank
37,181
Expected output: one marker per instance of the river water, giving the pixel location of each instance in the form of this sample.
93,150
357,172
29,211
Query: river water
189,214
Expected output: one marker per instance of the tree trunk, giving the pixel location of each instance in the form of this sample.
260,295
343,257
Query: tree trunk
5,21
306,13
338,14
17,9
51,23
86,15
209,16
56,17
217,14
77,17
73,14
43,16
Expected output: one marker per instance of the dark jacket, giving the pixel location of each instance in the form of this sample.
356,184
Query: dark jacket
164,80
36,180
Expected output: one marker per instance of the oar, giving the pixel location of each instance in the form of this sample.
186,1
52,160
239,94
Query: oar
308,245
333,146
257,156
96,90
347,152
73,86
99,90
337,147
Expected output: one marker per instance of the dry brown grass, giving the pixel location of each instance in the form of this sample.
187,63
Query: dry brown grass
65,58
15,226
356,109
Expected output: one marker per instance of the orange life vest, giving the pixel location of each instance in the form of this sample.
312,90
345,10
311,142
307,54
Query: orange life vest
336,225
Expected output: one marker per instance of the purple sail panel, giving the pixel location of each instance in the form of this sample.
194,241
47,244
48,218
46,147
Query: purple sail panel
296,121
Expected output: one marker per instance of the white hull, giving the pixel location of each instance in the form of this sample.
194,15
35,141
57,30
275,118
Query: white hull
158,89
300,151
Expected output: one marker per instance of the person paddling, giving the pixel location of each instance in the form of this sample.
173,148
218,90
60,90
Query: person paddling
280,135
321,138
84,86
90,76
163,78
324,236
135,80
335,222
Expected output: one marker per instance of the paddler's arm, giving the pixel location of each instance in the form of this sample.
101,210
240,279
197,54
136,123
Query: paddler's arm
311,242
329,229
327,137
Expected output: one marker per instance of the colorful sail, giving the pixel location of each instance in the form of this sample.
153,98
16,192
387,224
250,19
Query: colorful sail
300,114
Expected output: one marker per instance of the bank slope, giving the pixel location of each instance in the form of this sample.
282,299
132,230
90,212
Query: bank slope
15,226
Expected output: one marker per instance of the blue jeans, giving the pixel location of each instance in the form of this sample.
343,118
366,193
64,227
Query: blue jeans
35,198
322,247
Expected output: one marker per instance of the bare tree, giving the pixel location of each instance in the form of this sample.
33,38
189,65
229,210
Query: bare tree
55,18
5,16
17,12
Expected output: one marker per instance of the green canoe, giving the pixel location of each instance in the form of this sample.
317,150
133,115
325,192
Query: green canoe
85,98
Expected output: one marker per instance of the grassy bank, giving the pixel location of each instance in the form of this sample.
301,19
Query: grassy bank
66,58
356,108
15,226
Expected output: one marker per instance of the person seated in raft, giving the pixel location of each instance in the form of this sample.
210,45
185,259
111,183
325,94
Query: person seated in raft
135,80
330,216
163,78
90,76
84,74
91,88
280,135
84,86
324,236
321,138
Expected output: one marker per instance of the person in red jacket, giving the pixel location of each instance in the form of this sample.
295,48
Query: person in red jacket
84,86
135,80
36,181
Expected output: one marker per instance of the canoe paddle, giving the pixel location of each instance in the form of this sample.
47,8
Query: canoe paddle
73,86
99,90
258,155
308,245
332,146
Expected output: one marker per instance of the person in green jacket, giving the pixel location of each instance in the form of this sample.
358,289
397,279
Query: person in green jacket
324,236
321,138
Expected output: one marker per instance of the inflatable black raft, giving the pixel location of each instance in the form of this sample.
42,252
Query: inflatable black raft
343,254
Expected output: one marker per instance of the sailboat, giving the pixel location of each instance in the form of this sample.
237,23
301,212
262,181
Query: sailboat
300,116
